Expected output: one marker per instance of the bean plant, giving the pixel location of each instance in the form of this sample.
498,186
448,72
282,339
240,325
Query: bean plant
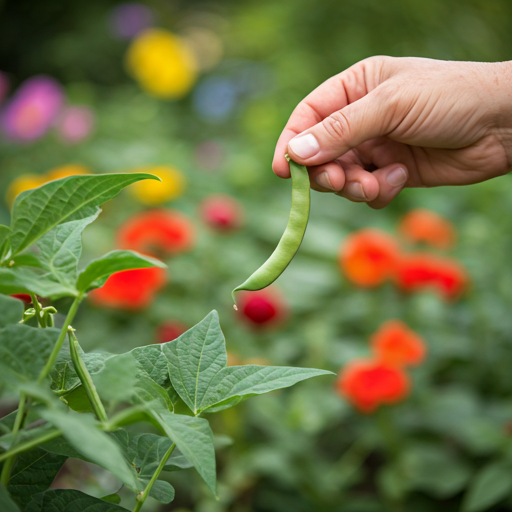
84,405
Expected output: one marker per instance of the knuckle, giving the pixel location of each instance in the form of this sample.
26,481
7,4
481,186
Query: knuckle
337,126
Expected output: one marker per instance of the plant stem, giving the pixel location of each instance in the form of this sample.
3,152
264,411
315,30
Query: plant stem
37,308
141,498
19,420
32,443
22,410
60,340
85,378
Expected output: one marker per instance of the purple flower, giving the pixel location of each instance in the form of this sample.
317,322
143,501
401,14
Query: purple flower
127,20
75,123
33,109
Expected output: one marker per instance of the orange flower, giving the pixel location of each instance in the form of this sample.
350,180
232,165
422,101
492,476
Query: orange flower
130,289
429,227
395,344
368,384
263,308
157,231
420,271
368,257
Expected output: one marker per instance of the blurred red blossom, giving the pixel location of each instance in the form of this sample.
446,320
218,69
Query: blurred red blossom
426,226
396,344
263,308
368,257
370,383
25,297
222,213
130,289
420,271
170,330
157,232
33,109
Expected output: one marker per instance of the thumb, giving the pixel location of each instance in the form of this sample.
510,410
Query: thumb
367,118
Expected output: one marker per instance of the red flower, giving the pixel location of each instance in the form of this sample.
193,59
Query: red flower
368,384
368,257
420,271
170,330
429,227
222,213
130,289
157,231
395,344
263,308
25,297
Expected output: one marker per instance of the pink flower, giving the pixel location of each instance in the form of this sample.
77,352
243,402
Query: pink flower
222,213
33,109
75,123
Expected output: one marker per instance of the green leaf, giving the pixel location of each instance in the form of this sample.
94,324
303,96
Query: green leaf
11,310
82,434
37,211
25,349
69,500
116,380
63,375
491,484
194,439
144,452
5,244
6,502
112,498
60,249
199,372
25,280
99,270
33,472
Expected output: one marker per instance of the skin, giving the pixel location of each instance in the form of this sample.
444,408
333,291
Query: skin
292,236
389,123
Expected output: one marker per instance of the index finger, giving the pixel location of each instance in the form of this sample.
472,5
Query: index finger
334,94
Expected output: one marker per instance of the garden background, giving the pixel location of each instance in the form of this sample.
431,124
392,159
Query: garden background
197,93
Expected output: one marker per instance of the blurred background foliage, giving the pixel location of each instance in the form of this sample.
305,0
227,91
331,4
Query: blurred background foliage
201,102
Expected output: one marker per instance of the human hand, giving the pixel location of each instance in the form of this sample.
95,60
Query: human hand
388,123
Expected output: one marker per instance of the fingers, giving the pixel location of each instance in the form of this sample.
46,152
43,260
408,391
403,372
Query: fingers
329,98
368,118
377,188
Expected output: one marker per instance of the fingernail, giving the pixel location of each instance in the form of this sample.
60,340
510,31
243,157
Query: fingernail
324,181
355,191
305,146
397,177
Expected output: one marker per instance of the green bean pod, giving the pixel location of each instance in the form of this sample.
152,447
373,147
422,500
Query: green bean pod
292,236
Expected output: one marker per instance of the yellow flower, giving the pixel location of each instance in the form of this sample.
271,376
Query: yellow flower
162,63
66,170
152,192
22,183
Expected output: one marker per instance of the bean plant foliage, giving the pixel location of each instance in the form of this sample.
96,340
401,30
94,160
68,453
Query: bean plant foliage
64,393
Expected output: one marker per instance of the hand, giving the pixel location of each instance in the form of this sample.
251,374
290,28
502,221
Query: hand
388,123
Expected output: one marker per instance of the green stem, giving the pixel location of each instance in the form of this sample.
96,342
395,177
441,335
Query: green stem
60,340
141,497
38,310
28,445
85,378
18,421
